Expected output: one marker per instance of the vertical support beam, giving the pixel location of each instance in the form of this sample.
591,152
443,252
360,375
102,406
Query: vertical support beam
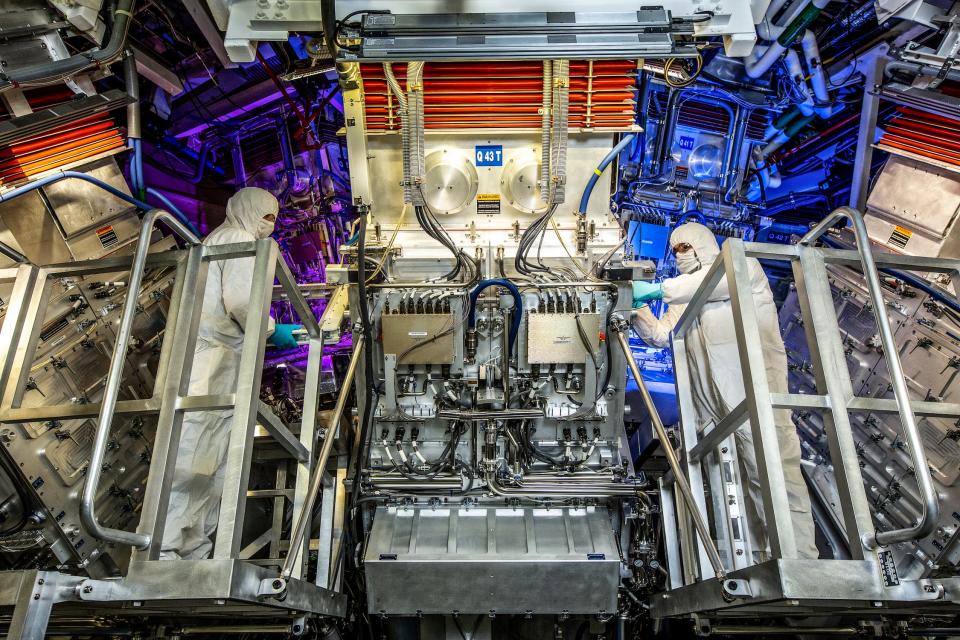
670,535
24,338
833,382
689,436
712,466
873,76
276,528
11,330
356,125
171,318
328,502
731,489
339,514
36,595
308,438
766,444
176,381
240,449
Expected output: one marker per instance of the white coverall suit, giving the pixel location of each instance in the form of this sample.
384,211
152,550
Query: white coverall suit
716,378
197,485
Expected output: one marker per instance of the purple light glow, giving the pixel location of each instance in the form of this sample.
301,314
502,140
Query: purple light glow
276,95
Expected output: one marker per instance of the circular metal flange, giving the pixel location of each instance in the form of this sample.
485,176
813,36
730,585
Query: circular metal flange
450,181
520,181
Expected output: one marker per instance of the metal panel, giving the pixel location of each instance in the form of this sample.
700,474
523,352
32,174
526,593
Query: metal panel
920,196
404,333
459,36
555,337
81,205
35,230
518,560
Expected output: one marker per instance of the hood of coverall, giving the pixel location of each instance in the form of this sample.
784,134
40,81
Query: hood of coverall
704,243
247,208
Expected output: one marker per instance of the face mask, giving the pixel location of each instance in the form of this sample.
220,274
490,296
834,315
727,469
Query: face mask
688,262
265,227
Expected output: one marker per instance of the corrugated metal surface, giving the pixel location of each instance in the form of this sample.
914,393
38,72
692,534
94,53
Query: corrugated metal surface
59,146
505,95
923,134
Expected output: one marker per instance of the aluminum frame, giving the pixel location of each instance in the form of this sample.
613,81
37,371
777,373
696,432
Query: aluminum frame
786,582
224,577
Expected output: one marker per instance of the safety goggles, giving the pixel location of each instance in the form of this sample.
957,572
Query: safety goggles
681,247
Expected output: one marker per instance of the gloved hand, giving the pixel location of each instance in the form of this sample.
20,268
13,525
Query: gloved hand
282,337
644,292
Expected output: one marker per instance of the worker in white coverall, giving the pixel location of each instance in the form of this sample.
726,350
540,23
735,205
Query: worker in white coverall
198,478
716,378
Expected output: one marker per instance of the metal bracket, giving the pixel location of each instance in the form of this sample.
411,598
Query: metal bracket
734,588
272,588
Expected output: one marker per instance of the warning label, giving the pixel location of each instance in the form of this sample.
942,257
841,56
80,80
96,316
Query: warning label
900,237
488,203
888,570
107,236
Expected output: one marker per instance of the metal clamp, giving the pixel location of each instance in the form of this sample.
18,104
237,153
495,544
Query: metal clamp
734,588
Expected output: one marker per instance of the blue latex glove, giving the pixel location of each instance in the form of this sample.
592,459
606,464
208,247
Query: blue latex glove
282,337
644,292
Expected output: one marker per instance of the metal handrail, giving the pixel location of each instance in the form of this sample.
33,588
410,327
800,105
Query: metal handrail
306,514
930,502
111,390
619,327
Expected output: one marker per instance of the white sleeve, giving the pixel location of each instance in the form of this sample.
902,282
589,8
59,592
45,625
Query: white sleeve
237,285
682,288
656,331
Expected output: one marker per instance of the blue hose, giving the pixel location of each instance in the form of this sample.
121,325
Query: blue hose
693,213
174,209
587,190
517,301
42,182
141,179
915,282
134,152
139,204
201,165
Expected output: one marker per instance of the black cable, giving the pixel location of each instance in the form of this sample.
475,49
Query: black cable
23,495
366,420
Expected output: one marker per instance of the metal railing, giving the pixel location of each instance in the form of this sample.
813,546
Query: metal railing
111,389
834,398
931,502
